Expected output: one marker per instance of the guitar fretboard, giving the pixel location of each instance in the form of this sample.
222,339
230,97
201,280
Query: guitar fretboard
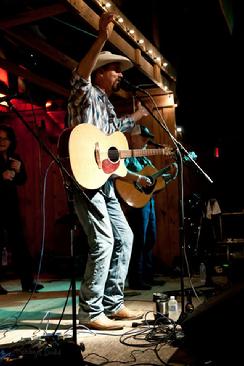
140,152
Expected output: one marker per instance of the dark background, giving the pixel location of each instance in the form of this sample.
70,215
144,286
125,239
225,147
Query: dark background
203,41
195,37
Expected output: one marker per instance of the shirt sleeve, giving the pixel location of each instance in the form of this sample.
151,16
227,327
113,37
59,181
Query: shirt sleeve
133,164
79,88
126,123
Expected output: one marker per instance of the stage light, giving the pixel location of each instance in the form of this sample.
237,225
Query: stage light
48,104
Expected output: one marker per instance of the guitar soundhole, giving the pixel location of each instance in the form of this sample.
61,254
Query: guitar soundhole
148,190
113,154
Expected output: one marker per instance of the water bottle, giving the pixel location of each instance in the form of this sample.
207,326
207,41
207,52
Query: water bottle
4,257
202,272
173,308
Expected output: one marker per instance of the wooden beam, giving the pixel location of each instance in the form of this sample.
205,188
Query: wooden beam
120,43
36,43
125,27
40,45
33,15
40,81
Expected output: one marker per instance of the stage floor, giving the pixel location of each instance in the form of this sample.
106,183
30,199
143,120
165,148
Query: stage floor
33,318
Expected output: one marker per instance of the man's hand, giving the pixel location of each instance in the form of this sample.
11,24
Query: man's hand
140,112
106,25
143,181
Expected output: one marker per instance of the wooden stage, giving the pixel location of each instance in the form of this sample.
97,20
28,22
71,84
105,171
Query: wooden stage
31,319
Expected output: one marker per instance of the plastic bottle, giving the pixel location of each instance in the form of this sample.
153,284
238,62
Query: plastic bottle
4,257
173,308
202,273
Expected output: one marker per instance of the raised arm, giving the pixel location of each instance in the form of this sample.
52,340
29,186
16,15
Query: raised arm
88,62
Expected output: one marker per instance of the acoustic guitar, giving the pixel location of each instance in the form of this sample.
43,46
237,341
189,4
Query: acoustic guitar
94,156
137,196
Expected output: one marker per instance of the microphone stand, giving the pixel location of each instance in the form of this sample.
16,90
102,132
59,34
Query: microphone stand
78,188
179,149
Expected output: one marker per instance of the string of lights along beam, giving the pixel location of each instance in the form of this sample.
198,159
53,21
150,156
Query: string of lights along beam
136,36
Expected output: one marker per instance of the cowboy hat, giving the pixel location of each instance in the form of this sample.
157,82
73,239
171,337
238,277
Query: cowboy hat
106,57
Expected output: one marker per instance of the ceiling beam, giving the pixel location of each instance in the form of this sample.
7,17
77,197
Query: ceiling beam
152,71
35,79
133,53
33,15
43,47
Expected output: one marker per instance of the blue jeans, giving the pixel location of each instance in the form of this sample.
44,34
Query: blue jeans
110,243
143,223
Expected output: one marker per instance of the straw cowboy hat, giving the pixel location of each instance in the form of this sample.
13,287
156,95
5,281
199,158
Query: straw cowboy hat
106,57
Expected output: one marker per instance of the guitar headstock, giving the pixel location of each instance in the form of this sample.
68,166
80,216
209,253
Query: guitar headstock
172,152
168,151
190,156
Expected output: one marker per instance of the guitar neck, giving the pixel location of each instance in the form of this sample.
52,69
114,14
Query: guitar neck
140,152
160,172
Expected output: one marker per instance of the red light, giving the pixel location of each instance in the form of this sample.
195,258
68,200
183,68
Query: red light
4,77
216,152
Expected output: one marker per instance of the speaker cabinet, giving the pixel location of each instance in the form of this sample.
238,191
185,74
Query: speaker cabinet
213,330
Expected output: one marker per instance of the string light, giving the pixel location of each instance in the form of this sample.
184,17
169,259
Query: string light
120,20
131,31
136,36
107,5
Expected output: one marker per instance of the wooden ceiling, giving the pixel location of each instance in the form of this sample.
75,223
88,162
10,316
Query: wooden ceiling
42,41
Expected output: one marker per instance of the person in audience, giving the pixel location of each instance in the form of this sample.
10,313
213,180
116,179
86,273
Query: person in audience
12,238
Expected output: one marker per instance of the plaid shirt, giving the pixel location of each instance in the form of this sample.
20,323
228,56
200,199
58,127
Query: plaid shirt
89,104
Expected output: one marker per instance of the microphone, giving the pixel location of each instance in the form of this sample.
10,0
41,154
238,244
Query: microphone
150,142
127,85
7,98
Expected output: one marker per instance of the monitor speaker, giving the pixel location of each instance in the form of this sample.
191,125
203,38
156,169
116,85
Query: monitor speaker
212,331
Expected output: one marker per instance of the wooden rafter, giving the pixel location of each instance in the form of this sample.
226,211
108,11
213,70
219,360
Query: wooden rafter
23,37
121,44
40,81
43,47
33,15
